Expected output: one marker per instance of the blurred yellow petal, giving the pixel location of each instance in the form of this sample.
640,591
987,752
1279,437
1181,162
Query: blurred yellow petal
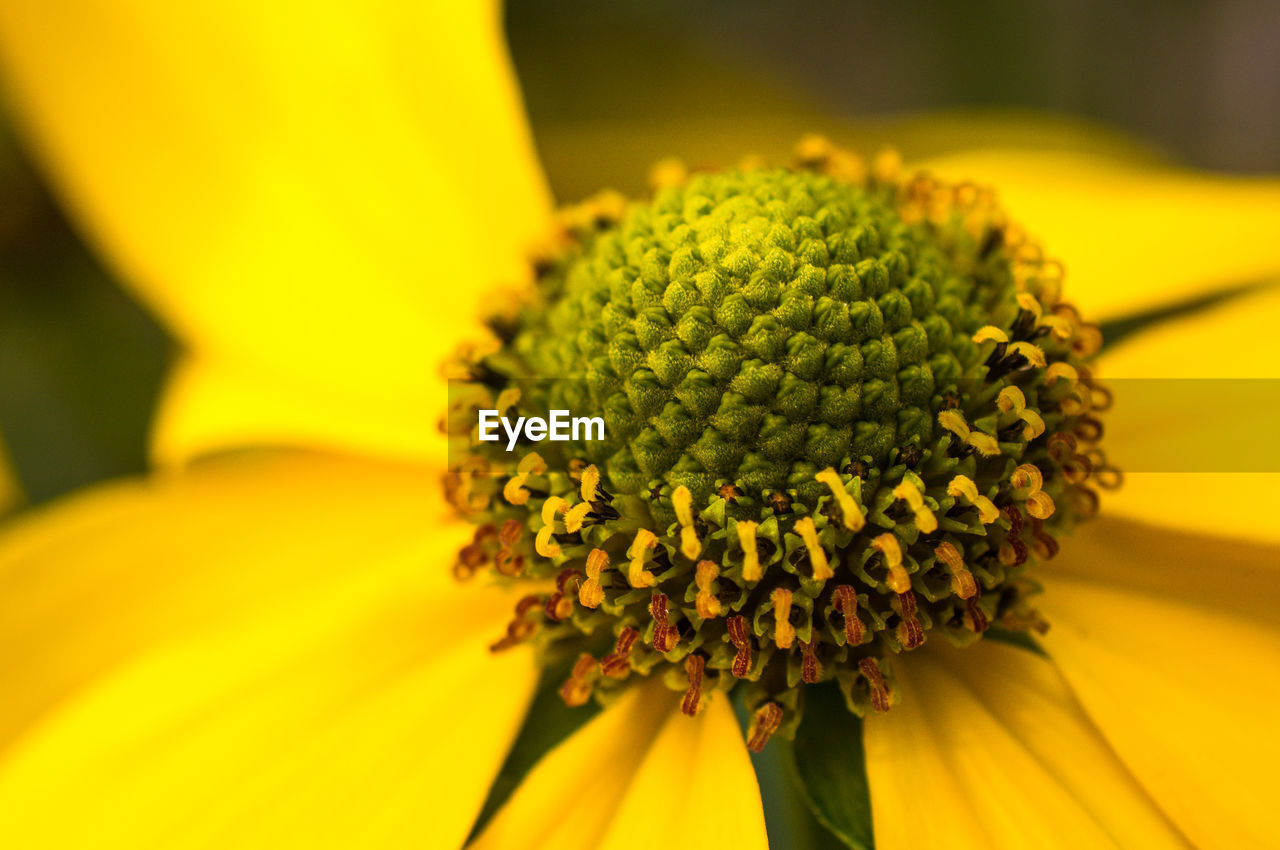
1191,426
1132,237
699,788
988,749
317,195
262,652
639,775
1170,640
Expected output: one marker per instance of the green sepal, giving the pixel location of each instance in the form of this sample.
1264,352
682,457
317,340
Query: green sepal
831,766
547,722
788,818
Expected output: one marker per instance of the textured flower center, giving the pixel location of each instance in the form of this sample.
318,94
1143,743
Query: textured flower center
844,414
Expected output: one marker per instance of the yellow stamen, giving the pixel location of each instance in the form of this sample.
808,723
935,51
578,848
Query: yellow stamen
507,399
576,516
544,545
1032,352
1034,426
682,500
962,581
953,421
849,510
1040,505
990,333
1011,399
532,463
708,604
1027,475
962,486
590,483
784,633
908,492
1028,302
552,506
751,570
899,580
591,594
636,573
817,555
513,491
984,443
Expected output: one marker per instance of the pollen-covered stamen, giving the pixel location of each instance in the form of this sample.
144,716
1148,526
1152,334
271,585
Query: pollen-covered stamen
559,604
909,492
638,553
875,681
845,601
544,544
664,634
784,634
850,513
694,666
590,486
706,574
741,640
990,333
817,555
591,593
617,664
750,554
766,721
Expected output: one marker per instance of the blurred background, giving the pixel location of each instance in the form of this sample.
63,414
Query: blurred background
612,87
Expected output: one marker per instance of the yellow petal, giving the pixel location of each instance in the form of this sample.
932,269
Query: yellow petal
696,786
263,652
1171,643
1132,237
639,775
316,196
988,749
88,582
1194,399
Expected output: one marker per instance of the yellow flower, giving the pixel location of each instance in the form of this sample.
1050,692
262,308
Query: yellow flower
267,649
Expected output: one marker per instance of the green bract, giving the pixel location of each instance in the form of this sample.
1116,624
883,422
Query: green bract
843,415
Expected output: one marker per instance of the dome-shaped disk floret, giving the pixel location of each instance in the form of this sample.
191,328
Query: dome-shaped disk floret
843,413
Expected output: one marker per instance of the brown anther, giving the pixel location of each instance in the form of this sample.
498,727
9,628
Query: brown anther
664,634
1085,502
784,634
706,574
559,605
617,664
810,667
1027,476
974,618
512,531
1011,513
508,563
875,681
1061,445
910,630
1088,429
766,721
1045,546
520,628
693,667
741,640
963,583
1077,468
577,688
1013,552
780,503
846,602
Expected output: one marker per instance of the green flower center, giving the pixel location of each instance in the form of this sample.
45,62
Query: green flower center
843,415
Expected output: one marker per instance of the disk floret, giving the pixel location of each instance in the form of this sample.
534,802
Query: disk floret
845,413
